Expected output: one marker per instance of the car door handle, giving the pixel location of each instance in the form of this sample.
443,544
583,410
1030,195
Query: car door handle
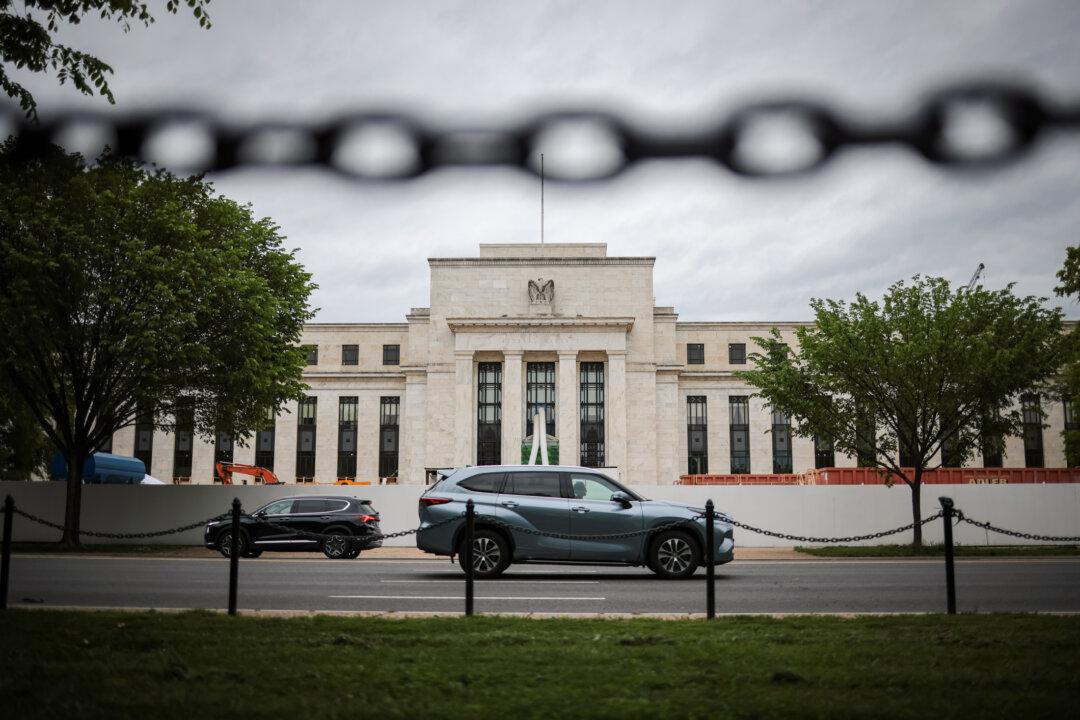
580,509
509,504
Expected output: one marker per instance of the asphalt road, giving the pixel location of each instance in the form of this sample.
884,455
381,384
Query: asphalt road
279,583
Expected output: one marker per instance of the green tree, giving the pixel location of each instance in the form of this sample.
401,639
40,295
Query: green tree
123,289
23,446
928,364
27,41
1069,275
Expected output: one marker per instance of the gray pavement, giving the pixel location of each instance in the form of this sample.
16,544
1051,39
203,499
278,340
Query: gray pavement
412,585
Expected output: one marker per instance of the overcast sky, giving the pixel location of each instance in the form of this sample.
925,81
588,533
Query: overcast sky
726,248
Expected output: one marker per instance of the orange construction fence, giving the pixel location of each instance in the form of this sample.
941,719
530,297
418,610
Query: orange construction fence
874,476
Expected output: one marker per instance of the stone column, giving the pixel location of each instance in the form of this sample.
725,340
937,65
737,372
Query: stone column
326,437
285,442
512,408
567,408
464,409
615,413
412,438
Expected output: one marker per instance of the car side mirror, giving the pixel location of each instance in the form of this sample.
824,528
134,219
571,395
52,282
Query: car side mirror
621,498
260,515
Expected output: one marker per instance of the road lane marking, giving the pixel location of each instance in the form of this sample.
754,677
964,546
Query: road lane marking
459,597
530,582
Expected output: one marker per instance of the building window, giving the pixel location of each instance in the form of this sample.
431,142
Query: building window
697,442
223,450
591,398
695,354
312,354
350,354
865,439
1033,440
389,410
264,442
736,353
346,456
305,439
781,442
1072,423
540,395
739,409
949,455
993,450
144,438
489,414
183,431
391,354
824,453
906,455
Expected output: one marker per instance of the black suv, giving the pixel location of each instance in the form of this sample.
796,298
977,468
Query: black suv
281,524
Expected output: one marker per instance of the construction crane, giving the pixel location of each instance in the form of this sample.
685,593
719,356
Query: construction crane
975,277
225,472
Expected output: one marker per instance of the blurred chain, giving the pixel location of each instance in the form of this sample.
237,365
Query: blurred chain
974,124
122,536
569,536
366,538
849,539
1025,535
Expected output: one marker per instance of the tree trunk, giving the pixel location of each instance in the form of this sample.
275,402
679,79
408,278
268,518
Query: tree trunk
916,508
73,505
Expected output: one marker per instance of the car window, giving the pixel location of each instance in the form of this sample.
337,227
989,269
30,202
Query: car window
309,506
336,505
541,484
487,483
592,487
281,507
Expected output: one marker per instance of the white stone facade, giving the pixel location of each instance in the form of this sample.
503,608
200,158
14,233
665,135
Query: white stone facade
482,310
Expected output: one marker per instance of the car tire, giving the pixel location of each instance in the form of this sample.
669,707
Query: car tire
491,554
252,553
338,545
673,555
353,555
225,543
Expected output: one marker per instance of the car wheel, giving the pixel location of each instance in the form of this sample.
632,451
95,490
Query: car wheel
225,543
674,555
252,553
491,554
338,545
353,555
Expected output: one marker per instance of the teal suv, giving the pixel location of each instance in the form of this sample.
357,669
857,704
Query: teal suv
559,514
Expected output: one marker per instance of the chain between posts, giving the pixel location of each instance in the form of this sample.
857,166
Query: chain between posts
122,536
1014,533
934,129
852,538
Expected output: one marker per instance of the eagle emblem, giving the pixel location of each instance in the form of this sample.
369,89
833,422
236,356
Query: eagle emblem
541,291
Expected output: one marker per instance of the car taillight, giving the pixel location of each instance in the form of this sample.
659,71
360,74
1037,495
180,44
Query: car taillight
366,518
429,501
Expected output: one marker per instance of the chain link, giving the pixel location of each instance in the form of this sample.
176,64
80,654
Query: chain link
121,536
366,538
1014,533
850,539
395,146
609,536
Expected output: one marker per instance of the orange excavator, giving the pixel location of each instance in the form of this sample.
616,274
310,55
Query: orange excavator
225,472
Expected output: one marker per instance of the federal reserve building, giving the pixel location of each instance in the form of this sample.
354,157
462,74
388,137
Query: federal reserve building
560,331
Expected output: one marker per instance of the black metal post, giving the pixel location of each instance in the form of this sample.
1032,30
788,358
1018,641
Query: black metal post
710,557
5,554
234,555
467,555
950,575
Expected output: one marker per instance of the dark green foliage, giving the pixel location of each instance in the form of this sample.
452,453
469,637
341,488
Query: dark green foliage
27,41
123,289
928,364
139,665
1069,275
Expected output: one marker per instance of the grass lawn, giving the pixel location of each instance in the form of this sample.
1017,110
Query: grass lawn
939,550
201,665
